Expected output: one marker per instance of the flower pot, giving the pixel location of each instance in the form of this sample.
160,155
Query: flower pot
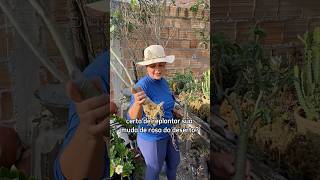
305,125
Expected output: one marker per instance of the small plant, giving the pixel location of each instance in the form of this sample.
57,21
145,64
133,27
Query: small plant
185,82
205,85
13,173
122,160
307,81
255,84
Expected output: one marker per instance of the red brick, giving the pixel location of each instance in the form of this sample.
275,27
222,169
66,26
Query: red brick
197,24
313,24
266,8
181,44
293,29
183,12
227,28
60,12
241,9
274,32
5,78
194,43
6,105
289,9
179,53
220,10
164,32
310,8
173,33
183,34
185,23
243,29
168,22
173,11
168,44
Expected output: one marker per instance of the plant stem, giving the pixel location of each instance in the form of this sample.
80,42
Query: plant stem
125,69
85,25
240,162
118,74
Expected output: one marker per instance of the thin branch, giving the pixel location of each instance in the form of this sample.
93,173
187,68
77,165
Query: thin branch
85,25
125,69
236,108
50,66
252,119
72,68
118,74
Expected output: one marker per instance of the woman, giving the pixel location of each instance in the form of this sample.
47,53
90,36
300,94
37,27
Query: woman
156,148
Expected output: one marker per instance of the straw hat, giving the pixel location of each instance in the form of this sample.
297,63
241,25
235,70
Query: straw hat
101,5
155,54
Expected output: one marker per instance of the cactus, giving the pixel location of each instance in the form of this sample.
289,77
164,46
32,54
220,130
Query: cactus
205,85
307,82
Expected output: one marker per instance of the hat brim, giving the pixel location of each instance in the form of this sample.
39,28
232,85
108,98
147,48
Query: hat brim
167,59
101,6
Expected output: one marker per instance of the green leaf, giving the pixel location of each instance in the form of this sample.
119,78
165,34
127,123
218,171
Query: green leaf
112,168
112,28
127,168
133,4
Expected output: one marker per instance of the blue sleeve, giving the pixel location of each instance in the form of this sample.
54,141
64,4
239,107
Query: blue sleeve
99,68
72,126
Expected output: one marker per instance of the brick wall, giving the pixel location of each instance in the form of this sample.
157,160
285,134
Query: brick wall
183,25
60,13
283,20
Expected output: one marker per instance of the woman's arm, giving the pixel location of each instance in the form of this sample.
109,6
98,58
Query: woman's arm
135,111
83,157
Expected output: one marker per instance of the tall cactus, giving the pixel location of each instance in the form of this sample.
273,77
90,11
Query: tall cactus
205,85
307,81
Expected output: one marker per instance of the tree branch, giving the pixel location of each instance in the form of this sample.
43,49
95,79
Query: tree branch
50,66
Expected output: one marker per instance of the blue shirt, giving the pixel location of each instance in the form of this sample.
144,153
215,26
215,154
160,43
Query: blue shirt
98,68
158,91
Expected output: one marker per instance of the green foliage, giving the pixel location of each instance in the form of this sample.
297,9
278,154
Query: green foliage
122,121
248,72
202,34
307,76
226,64
185,82
199,3
120,155
13,173
205,85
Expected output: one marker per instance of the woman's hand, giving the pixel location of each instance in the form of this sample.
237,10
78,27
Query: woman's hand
92,112
87,146
139,96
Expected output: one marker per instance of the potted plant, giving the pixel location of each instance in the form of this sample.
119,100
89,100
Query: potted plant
307,85
125,163
255,77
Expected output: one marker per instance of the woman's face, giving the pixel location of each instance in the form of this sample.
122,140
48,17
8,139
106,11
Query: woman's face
156,70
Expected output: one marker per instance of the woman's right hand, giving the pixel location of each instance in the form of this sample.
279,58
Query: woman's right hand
92,112
139,96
